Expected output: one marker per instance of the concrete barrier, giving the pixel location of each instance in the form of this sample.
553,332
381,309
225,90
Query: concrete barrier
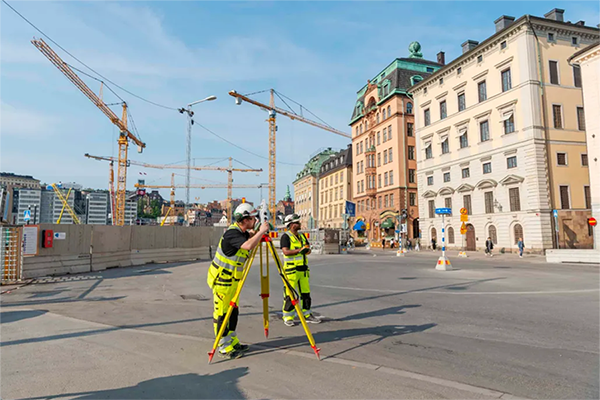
573,256
95,247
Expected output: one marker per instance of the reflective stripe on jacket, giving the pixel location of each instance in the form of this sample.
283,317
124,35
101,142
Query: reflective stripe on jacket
224,270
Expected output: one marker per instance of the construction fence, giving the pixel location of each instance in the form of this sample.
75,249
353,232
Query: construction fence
11,254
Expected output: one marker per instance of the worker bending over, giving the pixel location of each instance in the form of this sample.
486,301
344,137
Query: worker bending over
295,248
227,269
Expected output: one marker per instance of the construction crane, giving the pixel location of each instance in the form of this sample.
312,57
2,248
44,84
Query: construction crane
65,203
230,170
124,136
273,111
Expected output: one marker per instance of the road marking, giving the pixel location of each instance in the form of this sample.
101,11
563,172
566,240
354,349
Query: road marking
424,290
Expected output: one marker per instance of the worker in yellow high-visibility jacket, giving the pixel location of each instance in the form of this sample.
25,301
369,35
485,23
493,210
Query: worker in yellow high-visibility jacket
295,248
227,269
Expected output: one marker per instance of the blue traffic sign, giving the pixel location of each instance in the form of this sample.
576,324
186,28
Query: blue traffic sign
444,210
555,213
27,215
350,209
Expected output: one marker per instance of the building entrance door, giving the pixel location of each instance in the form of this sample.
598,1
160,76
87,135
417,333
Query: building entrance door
471,245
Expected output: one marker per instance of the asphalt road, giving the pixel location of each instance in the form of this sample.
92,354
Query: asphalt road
394,328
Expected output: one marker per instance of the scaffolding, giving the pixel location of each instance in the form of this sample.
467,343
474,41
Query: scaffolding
11,254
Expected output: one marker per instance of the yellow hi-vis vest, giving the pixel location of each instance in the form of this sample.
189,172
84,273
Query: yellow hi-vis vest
225,270
292,262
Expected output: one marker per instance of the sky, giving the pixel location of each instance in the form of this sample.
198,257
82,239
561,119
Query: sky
317,53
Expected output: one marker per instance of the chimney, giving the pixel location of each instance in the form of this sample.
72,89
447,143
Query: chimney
580,23
441,58
556,14
503,22
469,45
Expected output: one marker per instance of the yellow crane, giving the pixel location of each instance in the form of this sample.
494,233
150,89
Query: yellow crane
65,203
229,171
124,136
273,111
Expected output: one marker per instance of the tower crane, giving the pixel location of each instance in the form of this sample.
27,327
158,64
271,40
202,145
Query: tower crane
124,136
230,170
273,111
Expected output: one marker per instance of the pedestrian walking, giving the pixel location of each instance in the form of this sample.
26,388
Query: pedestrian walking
418,245
409,244
433,243
489,247
383,243
521,247
391,243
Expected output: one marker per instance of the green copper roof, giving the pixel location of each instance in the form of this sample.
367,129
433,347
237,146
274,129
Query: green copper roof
313,166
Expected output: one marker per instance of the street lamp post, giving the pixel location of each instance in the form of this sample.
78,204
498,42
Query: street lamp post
190,114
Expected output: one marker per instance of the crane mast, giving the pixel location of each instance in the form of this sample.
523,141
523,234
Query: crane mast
124,134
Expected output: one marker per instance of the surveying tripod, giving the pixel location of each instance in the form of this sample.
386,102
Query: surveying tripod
264,285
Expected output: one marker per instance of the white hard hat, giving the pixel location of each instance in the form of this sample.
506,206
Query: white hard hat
290,219
244,210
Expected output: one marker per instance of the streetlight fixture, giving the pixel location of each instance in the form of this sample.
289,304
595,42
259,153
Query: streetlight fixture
190,114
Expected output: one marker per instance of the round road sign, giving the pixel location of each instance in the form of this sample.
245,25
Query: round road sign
463,211
592,221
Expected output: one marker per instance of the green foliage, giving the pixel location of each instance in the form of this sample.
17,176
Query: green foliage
155,208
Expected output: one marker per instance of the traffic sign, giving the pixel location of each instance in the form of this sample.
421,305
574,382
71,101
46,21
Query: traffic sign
464,211
27,215
592,221
60,235
443,211
463,230
555,213
350,209
464,218
463,226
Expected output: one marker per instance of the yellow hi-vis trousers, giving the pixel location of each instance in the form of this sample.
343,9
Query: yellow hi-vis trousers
299,280
222,297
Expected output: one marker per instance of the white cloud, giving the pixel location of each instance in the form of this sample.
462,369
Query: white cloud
26,123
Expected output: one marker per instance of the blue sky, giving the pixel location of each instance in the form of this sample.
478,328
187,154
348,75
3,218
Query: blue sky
317,53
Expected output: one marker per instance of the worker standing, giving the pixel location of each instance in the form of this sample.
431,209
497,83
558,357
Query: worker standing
227,269
295,248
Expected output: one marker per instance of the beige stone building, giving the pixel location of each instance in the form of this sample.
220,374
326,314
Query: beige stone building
501,132
335,188
383,143
305,189
588,59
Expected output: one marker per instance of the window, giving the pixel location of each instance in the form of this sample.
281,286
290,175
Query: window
379,180
446,176
580,119
576,76
385,179
385,201
428,152
385,157
411,152
451,235
561,158
409,108
487,168
379,159
411,176
409,129
550,37
584,160
361,148
479,59
389,111
358,168
518,230
448,202
574,40
509,124
379,138
514,199
342,174
441,81
412,199
443,113
390,132
458,70
379,202
377,117
467,203
506,80
427,117
493,234
391,177
425,89
384,135
557,116
564,197
461,102
503,45
484,131
511,162
431,204
482,91
464,140
489,202
465,172
588,197
445,146
554,72
430,180
392,200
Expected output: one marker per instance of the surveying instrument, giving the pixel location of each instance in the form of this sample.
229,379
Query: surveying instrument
264,287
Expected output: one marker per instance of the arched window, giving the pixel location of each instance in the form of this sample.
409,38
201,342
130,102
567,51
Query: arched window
416,79
450,235
377,117
434,234
409,108
518,229
383,117
493,234
389,111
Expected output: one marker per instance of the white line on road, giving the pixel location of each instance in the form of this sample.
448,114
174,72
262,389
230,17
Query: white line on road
424,290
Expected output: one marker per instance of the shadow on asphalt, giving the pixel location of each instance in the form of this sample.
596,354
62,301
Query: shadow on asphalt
221,385
396,310
14,316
